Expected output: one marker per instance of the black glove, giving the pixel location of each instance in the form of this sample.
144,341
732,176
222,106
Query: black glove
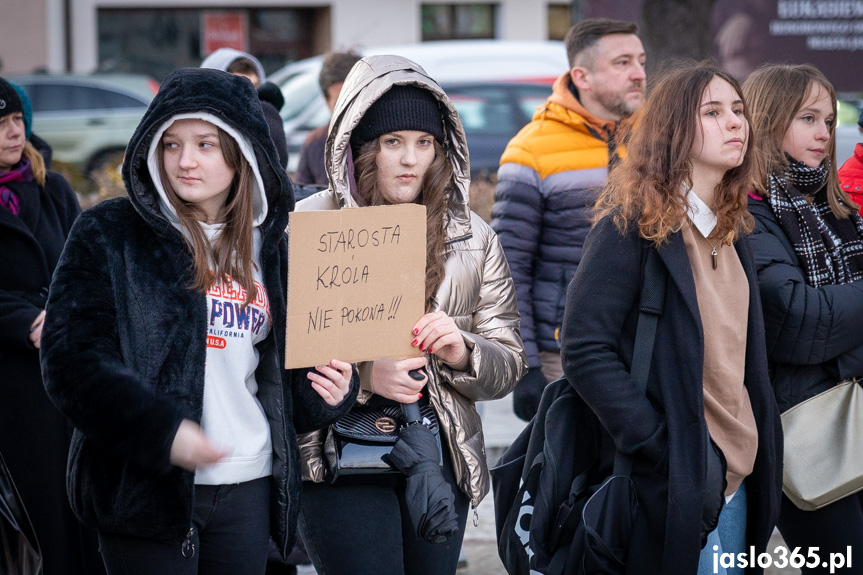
528,391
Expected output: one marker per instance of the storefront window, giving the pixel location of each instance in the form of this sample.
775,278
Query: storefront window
559,21
458,21
157,41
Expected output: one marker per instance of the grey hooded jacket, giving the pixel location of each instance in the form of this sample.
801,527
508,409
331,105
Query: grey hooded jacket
477,291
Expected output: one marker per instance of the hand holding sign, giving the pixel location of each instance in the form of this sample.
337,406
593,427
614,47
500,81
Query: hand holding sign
438,334
392,378
333,381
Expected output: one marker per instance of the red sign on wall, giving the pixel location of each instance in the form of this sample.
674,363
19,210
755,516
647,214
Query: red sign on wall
224,30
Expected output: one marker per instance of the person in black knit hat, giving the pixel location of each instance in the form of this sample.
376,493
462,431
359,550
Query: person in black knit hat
400,108
37,208
396,138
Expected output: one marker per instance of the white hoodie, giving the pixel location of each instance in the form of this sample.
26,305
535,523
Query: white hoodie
232,415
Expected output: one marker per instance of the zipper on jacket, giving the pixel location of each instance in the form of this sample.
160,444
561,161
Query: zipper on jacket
187,549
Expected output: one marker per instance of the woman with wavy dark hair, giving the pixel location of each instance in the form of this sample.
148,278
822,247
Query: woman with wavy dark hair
395,139
808,246
705,436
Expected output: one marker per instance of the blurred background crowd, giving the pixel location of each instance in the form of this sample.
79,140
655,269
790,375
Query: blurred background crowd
90,67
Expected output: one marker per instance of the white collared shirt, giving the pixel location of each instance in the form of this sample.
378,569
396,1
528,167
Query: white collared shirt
700,213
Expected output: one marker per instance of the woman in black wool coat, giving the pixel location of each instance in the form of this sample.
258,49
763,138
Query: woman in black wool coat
808,247
706,435
164,341
37,209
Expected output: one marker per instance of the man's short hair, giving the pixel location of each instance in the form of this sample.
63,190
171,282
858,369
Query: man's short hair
335,68
242,66
584,35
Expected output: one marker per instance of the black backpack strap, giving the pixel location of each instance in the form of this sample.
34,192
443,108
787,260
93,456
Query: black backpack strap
653,279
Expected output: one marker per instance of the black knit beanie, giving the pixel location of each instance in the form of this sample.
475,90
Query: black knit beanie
400,108
10,102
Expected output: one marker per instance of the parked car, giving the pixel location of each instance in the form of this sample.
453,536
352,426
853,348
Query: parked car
492,113
87,120
495,85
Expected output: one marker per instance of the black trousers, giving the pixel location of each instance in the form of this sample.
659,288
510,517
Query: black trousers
363,528
832,529
231,537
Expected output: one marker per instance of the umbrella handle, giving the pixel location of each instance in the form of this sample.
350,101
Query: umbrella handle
411,411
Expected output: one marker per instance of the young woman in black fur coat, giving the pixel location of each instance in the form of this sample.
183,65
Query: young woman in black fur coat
164,341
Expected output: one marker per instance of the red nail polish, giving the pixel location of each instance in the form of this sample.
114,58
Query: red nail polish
422,348
416,331
431,350
420,397
414,342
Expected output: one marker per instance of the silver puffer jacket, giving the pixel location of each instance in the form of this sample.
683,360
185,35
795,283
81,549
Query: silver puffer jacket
477,291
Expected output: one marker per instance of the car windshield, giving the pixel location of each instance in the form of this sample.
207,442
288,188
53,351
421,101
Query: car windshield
299,92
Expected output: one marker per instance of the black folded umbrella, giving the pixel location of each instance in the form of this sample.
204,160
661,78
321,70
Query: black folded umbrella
430,500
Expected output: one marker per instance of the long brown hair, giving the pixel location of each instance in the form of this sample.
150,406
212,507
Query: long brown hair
37,162
434,195
645,188
775,93
232,254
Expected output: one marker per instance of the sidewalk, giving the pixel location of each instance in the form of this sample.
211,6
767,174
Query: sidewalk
500,427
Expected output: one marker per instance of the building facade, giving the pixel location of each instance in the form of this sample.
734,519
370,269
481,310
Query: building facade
156,36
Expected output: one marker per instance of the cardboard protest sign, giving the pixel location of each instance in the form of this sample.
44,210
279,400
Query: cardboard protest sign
356,284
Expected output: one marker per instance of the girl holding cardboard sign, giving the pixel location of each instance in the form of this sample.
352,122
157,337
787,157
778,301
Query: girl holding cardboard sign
163,343
396,138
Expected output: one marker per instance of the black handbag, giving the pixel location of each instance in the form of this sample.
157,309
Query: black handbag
19,550
359,442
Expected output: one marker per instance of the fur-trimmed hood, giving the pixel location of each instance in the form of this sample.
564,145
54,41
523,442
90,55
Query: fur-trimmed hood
228,99
369,79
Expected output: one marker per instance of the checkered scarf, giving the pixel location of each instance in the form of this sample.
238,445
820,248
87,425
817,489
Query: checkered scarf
830,249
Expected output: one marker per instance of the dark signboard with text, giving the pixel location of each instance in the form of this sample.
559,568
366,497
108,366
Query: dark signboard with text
747,33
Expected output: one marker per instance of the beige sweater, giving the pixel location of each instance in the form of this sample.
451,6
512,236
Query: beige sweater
723,302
